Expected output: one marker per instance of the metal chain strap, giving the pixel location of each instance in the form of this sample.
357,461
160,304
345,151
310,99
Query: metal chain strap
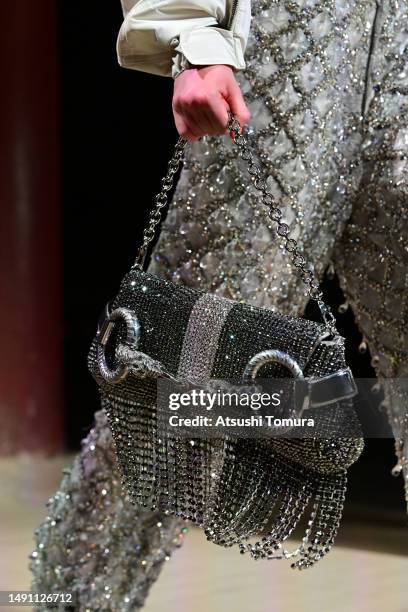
161,200
274,212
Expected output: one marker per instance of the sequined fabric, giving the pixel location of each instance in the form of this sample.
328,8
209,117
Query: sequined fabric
94,543
372,256
326,83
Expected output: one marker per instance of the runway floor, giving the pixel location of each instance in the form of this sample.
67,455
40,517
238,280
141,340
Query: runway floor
367,571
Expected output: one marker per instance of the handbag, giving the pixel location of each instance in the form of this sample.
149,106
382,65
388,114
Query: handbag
244,491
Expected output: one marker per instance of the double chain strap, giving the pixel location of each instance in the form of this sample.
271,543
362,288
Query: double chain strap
267,199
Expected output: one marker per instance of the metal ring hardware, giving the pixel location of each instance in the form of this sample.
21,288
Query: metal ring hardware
104,332
272,356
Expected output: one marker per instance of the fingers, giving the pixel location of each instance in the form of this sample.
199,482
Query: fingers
237,104
200,115
218,111
183,128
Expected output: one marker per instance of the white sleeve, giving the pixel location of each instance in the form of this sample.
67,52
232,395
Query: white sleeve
157,36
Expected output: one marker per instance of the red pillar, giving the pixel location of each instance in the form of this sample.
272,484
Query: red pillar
31,405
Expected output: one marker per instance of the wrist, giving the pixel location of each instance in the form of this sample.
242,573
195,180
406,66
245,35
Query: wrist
180,64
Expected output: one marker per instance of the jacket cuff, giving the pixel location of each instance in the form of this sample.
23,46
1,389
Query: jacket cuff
205,46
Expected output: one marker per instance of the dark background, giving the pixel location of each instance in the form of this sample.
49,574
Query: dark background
117,134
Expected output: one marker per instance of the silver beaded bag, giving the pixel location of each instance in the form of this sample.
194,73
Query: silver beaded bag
235,488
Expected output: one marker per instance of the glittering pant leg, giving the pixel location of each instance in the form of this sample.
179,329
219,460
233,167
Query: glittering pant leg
372,256
94,542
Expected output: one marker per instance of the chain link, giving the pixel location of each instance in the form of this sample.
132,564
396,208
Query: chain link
161,200
274,212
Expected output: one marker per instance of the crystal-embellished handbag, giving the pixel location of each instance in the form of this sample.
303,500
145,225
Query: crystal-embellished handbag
234,488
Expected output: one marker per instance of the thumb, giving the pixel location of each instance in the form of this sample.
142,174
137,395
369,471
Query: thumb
237,104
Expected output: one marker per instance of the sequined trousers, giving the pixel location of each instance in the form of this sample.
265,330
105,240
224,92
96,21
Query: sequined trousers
326,83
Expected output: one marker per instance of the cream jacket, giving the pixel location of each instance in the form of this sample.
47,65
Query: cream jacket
158,36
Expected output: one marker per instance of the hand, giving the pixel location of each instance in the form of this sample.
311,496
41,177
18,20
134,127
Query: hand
201,99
